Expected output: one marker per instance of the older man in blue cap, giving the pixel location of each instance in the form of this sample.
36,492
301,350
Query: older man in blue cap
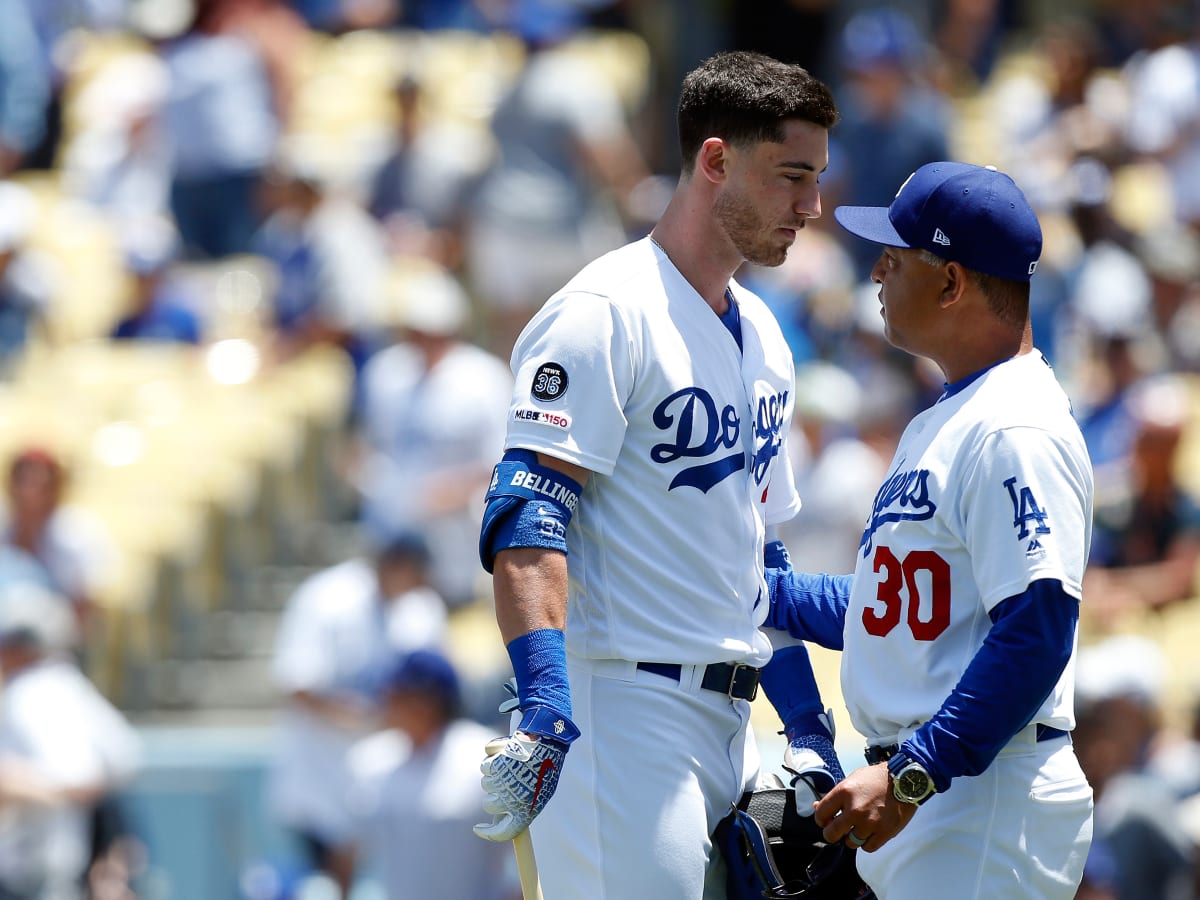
958,626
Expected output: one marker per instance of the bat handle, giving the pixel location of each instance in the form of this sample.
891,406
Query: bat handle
531,886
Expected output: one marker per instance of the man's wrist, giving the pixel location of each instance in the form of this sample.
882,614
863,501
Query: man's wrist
910,780
543,721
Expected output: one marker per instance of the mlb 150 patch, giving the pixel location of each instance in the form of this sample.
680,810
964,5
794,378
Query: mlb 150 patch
549,382
528,414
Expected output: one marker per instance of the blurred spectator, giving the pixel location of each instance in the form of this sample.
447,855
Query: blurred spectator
432,427
1137,818
1105,330
1146,542
1129,30
276,31
969,35
1060,107
1164,120
416,794
62,27
433,15
340,631
1170,254
892,121
785,29
64,752
119,159
26,276
24,87
1105,414
223,115
420,191
1177,761
561,189
158,310
340,16
71,548
330,256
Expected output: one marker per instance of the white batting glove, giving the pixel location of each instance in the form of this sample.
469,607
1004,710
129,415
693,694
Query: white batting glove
813,762
519,780
521,777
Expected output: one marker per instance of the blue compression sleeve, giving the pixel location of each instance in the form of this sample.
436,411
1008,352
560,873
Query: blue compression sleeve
790,685
808,606
539,661
1020,662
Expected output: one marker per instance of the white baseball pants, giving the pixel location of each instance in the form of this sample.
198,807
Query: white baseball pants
657,766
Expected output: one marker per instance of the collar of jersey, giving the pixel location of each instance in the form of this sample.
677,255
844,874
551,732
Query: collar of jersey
949,390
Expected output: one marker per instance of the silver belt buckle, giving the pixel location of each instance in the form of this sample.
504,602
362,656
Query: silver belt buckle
737,667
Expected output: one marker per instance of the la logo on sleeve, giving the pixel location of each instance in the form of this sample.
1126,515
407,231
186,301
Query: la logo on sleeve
1026,510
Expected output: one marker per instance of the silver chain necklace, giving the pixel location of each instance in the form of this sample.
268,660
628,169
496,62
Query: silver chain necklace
654,241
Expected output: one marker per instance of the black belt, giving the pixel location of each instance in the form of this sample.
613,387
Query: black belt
736,680
884,752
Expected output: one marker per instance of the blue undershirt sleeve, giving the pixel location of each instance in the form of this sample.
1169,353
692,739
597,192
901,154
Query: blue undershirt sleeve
1022,657
810,607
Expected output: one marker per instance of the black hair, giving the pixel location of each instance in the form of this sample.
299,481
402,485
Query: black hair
744,98
1007,300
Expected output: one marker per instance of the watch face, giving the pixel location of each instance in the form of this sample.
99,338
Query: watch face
913,784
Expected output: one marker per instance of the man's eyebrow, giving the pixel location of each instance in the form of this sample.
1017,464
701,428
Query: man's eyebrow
805,166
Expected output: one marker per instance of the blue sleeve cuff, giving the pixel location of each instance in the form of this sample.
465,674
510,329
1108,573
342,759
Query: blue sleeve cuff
548,723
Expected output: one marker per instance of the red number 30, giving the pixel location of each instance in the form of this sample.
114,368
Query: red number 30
899,575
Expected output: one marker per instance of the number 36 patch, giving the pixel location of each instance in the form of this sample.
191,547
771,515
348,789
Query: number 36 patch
549,382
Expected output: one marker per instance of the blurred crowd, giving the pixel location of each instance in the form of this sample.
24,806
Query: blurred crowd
410,179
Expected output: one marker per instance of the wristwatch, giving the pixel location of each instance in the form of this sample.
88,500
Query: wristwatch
910,782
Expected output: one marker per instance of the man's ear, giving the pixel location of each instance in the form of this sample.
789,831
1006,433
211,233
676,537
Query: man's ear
954,285
713,160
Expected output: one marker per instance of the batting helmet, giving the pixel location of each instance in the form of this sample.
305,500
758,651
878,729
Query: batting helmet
773,851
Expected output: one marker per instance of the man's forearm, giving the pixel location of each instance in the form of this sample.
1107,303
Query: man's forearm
530,585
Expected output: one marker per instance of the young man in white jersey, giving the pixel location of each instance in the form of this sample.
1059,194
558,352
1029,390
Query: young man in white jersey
958,627
650,414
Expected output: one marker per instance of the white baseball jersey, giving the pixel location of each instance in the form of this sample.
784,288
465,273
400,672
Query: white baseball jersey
628,373
989,490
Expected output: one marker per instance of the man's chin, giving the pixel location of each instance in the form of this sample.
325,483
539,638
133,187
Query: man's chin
770,258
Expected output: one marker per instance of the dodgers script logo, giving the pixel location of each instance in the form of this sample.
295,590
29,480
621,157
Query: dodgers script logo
701,431
903,498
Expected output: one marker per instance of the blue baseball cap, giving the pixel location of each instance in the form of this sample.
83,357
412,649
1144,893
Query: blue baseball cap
878,37
425,671
964,213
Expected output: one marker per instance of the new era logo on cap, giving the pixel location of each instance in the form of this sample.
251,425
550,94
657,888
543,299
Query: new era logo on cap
995,230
